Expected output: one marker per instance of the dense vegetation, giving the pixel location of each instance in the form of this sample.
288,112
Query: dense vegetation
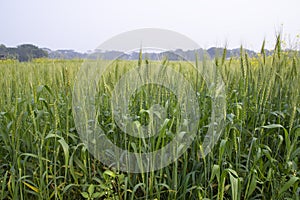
27,52
257,156
24,52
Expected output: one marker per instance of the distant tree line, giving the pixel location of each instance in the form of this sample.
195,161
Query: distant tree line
24,52
27,52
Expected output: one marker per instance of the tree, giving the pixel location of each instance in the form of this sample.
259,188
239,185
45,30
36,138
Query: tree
24,52
27,52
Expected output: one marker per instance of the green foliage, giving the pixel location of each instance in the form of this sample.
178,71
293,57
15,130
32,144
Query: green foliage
24,52
257,157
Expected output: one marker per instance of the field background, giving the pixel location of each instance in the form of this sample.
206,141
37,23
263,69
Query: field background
257,156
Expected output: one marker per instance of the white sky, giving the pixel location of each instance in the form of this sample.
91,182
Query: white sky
84,24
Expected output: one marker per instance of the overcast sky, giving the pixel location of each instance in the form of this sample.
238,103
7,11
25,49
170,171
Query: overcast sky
84,24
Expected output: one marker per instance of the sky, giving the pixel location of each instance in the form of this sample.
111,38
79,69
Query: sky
83,25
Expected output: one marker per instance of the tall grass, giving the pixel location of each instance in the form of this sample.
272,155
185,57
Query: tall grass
257,156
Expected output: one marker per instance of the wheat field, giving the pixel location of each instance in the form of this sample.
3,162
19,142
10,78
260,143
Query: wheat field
256,157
